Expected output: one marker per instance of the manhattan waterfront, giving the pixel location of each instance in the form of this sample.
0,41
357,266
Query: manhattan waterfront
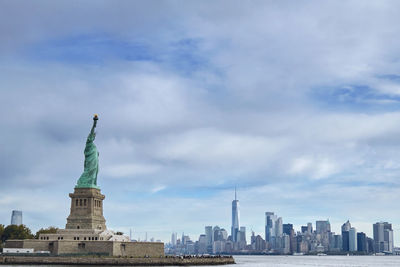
281,238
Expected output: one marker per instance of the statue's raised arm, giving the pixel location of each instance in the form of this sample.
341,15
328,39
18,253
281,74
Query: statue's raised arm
88,178
92,134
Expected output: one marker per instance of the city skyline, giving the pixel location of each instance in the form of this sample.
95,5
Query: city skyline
297,103
285,239
320,226
279,237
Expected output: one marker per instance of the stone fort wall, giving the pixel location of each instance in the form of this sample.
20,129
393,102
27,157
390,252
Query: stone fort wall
110,248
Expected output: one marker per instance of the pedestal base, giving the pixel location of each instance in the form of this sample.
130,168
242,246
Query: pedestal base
86,210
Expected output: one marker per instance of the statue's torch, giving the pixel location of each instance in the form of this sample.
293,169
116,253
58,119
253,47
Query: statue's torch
95,119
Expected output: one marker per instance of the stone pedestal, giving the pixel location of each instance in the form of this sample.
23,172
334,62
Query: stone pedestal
86,210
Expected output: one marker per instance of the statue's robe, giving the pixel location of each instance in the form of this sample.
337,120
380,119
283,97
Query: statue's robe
91,167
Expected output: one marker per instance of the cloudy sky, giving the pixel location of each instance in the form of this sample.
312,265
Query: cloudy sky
297,103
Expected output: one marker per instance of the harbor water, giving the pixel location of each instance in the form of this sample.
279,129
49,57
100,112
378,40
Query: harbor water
302,261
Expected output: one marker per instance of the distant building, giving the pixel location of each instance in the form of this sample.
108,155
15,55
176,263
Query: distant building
288,228
383,237
279,227
270,219
285,246
345,241
235,218
378,229
345,236
223,234
346,226
209,233
190,247
216,236
173,239
218,247
302,244
353,239
309,228
362,242
185,239
258,244
370,245
242,234
337,242
202,245
16,217
241,239
388,237
323,226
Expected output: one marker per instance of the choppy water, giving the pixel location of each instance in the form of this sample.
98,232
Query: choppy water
320,261
291,261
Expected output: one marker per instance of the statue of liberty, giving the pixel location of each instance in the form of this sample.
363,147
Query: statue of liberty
88,178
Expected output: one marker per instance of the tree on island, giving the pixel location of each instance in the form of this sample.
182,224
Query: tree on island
1,234
16,232
48,230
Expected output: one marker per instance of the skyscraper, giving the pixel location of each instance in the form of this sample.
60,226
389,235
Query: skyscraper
223,234
202,245
16,217
278,227
309,228
338,243
242,234
388,237
270,219
173,239
346,226
352,239
235,218
209,234
383,237
345,235
288,228
345,240
378,236
216,236
361,242
323,226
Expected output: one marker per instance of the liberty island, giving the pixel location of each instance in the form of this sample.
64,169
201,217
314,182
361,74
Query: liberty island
86,233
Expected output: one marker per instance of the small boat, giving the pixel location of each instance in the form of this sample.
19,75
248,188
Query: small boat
379,254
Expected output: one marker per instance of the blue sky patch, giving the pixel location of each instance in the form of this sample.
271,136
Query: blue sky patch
182,55
355,98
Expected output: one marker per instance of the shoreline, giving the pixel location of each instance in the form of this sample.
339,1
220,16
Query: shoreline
162,261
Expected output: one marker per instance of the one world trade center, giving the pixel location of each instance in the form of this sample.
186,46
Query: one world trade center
235,219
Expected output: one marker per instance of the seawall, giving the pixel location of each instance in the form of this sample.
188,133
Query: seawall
162,261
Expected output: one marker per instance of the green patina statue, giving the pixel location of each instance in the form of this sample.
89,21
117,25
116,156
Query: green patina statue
88,178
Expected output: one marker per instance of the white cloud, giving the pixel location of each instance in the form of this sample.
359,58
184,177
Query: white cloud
158,188
214,147
126,170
